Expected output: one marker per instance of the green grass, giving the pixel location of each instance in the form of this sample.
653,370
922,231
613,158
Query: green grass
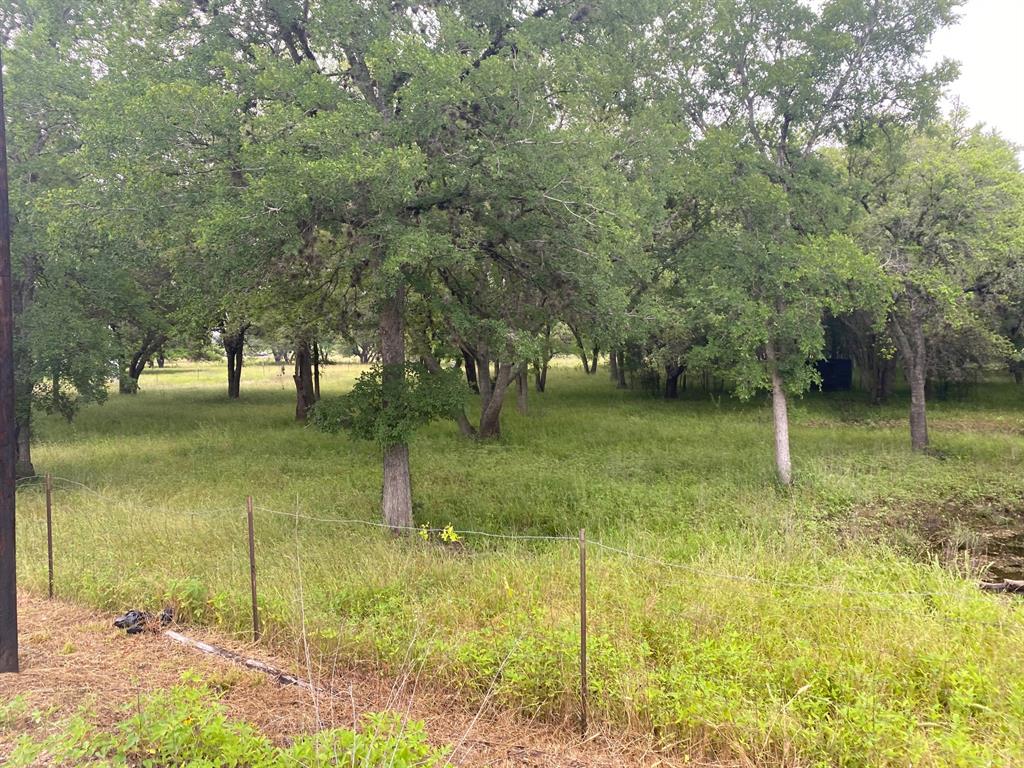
784,663
187,726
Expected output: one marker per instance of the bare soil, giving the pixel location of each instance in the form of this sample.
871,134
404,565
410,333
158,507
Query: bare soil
985,533
73,658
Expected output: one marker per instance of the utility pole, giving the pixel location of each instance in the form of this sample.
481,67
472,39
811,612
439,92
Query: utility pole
8,577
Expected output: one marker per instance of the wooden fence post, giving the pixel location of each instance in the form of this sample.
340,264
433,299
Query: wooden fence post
252,571
49,533
583,633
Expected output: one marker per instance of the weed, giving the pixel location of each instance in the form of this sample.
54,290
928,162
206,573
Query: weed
187,726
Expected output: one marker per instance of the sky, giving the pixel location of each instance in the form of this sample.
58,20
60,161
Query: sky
988,42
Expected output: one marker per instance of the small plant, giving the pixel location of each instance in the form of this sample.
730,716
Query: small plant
11,711
447,535
187,726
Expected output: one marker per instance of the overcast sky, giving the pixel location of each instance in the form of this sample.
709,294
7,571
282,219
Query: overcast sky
989,44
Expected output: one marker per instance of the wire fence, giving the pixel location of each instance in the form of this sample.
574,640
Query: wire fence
469,534
872,600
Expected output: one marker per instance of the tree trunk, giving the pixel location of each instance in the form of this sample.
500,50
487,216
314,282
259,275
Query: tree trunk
126,383
161,359
316,370
490,415
908,334
483,378
130,371
582,350
470,364
396,489
22,296
522,390
23,447
672,374
234,346
305,394
918,415
595,355
621,370
540,366
613,366
540,374
882,385
780,419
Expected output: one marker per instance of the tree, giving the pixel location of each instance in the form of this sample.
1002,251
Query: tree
758,288
763,84
1006,306
374,146
945,215
61,344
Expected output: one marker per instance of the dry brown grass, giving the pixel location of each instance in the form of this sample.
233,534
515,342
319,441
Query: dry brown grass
73,658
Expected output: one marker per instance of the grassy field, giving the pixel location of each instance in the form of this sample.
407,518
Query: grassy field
788,629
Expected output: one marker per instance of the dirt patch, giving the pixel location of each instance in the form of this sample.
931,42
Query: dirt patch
985,534
73,658
988,533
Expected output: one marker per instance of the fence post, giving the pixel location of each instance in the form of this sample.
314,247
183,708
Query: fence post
49,533
583,633
252,571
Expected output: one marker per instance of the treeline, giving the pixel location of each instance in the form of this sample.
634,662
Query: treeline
716,188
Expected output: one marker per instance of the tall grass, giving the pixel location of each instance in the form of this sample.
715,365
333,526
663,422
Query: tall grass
788,635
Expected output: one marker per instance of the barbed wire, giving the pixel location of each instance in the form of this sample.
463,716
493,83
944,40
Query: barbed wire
416,529
703,572
631,555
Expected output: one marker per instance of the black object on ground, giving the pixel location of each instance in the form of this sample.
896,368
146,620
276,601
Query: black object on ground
133,622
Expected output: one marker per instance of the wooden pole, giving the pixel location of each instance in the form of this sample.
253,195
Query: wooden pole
49,531
8,424
583,633
252,571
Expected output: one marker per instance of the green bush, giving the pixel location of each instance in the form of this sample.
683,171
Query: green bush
416,398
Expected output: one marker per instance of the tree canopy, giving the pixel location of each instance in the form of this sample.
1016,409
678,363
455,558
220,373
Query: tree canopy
695,187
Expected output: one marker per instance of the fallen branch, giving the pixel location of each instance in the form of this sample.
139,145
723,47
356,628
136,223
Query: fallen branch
282,678
1009,586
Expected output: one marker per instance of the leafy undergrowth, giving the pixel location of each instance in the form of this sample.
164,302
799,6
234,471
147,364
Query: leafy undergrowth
187,726
759,624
